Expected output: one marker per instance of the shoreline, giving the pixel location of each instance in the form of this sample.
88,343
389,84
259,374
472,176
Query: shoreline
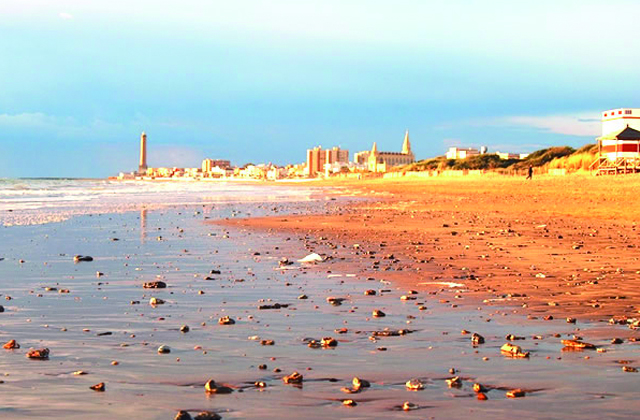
540,248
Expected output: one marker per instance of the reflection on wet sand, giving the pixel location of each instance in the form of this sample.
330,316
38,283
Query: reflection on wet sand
143,225
108,329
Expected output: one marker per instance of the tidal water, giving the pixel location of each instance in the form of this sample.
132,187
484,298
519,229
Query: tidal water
39,201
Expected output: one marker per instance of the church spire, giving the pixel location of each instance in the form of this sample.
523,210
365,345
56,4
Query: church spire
406,146
374,149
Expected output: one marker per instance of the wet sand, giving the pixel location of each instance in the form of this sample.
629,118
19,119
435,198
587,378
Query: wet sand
570,244
216,270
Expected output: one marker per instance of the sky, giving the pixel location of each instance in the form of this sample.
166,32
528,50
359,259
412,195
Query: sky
262,81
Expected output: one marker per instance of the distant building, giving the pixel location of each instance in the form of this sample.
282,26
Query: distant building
619,145
315,161
142,168
616,120
317,158
381,161
209,164
336,155
362,158
461,153
507,155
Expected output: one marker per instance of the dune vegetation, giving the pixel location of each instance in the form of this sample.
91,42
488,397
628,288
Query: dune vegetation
559,157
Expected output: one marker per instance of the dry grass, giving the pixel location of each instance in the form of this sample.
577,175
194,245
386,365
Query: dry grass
573,163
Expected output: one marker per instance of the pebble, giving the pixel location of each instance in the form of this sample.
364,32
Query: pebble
213,388
164,349
454,382
479,388
408,406
477,339
515,393
225,320
11,344
98,387
183,415
414,385
155,285
294,378
329,342
39,354
513,351
207,415
377,313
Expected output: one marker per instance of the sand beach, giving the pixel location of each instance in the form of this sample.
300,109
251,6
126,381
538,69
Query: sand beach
416,289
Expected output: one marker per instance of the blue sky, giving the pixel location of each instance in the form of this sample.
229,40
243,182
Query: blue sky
262,81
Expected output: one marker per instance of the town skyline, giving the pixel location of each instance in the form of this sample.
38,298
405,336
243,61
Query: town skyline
218,79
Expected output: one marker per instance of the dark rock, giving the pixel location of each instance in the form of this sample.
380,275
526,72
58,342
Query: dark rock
155,285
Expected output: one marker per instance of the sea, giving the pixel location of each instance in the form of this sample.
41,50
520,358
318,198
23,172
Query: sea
30,201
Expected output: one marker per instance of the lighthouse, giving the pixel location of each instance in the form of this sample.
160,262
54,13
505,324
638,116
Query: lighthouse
142,169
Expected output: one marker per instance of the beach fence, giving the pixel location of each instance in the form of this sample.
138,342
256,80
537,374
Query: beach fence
435,173
471,173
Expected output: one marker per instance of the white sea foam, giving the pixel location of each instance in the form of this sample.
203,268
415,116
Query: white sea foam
38,201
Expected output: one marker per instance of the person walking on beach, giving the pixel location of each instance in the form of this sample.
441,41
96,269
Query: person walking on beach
530,173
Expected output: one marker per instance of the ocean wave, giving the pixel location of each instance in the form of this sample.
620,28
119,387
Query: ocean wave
40,201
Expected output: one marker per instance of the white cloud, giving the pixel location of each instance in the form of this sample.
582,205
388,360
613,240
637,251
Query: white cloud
65,15
61,126
570,125
27,119
583,124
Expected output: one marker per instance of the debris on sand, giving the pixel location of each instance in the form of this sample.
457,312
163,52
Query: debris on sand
578,344
164,349
81,258
274,306
311,258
